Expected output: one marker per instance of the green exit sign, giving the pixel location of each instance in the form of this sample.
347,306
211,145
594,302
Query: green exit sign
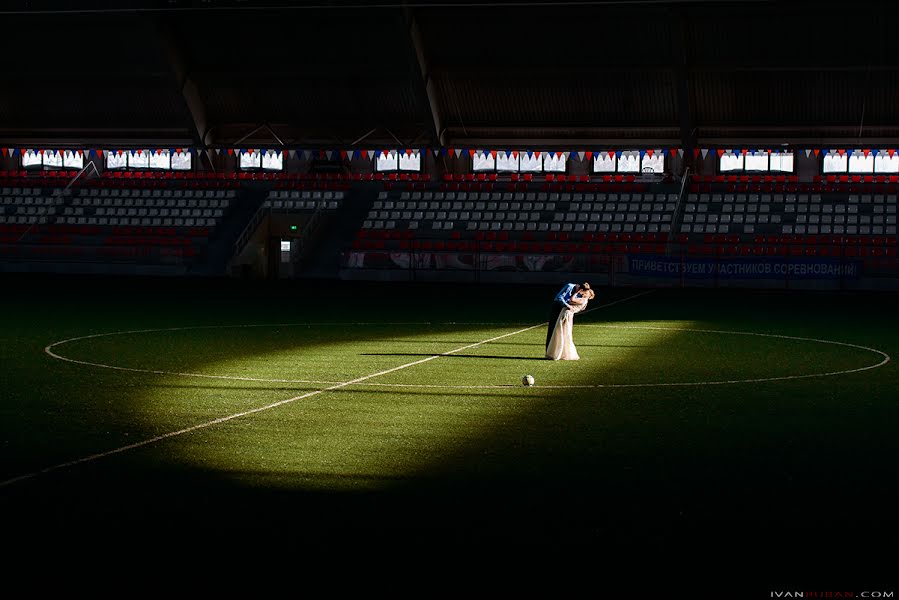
293,227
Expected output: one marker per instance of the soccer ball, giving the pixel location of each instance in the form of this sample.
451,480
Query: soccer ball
527,380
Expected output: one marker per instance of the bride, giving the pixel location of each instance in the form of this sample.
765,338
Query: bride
561,344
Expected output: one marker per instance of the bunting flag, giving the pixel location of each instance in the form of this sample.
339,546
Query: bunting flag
515,153
696,153
721,152
230,151
493,153
866,152
581,155
471,153
458,152
343,154
808,152
5,152
891,152
673,152
436,152
680,152
817,151
704,152
649,153
841,151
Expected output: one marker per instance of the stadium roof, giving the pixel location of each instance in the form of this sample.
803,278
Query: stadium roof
449,73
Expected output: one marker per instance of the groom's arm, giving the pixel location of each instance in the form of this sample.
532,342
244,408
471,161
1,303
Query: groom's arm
565,295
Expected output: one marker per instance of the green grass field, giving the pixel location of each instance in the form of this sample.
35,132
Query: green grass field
602,453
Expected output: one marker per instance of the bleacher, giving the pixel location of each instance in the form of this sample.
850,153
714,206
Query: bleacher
838,213
304,200
830,217
438,213
110,222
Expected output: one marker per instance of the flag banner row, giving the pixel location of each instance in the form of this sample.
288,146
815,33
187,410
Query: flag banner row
371,154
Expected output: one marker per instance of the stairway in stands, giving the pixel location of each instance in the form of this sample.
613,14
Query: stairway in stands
221,247
341,228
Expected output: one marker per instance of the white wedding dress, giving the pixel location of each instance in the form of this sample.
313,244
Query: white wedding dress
561,344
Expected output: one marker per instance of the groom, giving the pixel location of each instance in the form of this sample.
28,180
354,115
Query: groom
560,303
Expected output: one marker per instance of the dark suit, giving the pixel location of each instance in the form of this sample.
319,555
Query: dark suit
557,306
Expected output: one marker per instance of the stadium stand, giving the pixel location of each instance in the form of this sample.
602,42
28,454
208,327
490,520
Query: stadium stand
304,200
521,212
111,221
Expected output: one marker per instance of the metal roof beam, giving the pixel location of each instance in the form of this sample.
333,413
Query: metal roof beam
427,81
188,87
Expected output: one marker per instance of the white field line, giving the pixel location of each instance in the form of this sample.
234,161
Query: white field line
171,434
49,349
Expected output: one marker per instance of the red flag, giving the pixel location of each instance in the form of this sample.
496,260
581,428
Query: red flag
493,153
5,151
343,154
695,152
611,153
866,152
515,153
649,153
673,152
841,151
471,153
745,151
720,152
817,151
589,155
891,152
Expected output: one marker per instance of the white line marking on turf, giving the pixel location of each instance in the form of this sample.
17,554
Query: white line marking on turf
886,357
49,349
220,420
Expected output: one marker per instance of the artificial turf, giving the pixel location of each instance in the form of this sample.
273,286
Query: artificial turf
742,469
